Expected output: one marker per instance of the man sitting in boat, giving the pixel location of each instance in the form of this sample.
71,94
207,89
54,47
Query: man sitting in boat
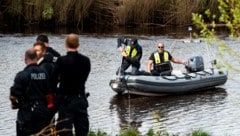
132,54
161,60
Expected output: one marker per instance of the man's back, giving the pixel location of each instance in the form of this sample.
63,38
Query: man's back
33,82
28,94
74,69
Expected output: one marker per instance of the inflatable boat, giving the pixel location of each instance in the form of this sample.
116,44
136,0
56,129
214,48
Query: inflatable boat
195,80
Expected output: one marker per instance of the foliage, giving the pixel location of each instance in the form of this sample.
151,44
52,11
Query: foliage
50,130
98,133
47,13
198,133
158,133
132,132
206,32
229,16
129,132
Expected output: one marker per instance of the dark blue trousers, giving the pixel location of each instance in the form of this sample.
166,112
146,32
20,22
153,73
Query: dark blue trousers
72,112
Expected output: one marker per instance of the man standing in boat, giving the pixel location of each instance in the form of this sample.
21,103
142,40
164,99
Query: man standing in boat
161,60
132,54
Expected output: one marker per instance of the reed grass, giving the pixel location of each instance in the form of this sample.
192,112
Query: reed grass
103,12
70,10
111,12
180,12
13,8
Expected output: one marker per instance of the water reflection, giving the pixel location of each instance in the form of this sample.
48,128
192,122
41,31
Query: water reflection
214,111
155,111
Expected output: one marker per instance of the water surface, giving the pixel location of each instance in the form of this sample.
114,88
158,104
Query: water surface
216,111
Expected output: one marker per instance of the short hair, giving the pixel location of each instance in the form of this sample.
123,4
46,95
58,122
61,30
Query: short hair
42,38
160,43
72,41
43,47
31,54
134,41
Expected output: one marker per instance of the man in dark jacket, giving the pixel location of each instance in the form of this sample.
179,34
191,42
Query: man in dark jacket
48,66
50,52
132,54
28,94
72,71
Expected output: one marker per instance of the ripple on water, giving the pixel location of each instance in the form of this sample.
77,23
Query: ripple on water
216,111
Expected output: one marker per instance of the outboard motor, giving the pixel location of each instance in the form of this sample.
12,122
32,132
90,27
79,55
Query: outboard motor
195,64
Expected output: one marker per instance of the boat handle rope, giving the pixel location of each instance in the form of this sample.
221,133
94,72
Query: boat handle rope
205,73
186,76
166,77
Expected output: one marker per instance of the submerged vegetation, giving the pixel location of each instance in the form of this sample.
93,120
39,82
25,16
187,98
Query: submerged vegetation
102,12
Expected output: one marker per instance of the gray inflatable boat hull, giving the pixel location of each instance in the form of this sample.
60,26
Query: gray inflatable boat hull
162,85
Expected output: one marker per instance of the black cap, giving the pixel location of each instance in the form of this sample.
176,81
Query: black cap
42,38
134,41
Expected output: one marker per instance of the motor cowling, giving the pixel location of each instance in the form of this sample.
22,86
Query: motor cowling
195,64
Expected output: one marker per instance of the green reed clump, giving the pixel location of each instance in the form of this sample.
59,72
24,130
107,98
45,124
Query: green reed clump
47,12
98,133
158,133
198,133
132,132
129,132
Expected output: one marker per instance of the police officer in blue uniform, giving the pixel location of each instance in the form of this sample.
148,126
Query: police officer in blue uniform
28,95
51,53
72,71
132,54
48,66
